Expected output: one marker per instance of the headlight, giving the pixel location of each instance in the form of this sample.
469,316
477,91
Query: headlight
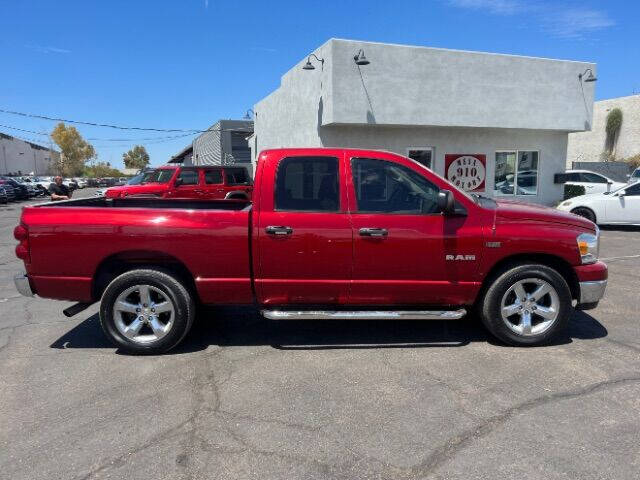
566,204
589,245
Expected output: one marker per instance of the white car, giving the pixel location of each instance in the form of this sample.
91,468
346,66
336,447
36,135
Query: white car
619,207
591,181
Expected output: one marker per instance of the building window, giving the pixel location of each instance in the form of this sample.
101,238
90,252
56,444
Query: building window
516,173
423,155
307,184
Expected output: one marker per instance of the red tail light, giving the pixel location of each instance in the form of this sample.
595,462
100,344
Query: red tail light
21,234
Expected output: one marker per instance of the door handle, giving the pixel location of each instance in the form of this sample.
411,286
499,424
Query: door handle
373,232
278,230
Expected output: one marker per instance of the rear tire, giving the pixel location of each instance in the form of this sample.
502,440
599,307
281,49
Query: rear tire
146,311
585,212
527,305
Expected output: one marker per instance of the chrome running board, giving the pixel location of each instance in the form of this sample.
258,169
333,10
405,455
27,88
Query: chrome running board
364,315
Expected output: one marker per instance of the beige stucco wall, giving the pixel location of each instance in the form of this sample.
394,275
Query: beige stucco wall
588,146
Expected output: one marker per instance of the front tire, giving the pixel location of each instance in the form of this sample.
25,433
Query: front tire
146,311
527,305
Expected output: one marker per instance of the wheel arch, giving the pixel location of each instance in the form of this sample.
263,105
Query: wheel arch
121,262
559,264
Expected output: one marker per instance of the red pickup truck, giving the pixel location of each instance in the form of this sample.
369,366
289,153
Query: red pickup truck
329,234
174,181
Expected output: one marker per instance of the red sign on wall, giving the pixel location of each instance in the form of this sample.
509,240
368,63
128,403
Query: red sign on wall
466,171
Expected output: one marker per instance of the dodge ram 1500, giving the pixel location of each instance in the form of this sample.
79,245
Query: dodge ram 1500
328,233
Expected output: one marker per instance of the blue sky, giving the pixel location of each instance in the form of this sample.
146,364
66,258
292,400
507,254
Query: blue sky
185,64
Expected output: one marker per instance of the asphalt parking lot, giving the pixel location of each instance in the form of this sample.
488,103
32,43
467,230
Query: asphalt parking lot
248,398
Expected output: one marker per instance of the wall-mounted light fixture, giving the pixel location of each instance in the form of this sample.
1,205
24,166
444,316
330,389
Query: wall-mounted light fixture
360,59
589,78
309,66
248,116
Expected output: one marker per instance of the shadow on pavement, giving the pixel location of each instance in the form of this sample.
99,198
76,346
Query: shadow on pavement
245,327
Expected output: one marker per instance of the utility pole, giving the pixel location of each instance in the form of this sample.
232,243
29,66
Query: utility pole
4,155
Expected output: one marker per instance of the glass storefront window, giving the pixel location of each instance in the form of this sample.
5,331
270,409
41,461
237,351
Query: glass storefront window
516,178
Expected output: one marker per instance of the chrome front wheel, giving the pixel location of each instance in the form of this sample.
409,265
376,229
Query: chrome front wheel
530,306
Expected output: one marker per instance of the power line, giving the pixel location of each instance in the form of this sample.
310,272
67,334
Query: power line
104,139
107,125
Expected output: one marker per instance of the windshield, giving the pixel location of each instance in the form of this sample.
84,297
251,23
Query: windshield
137,180
636,173
162,175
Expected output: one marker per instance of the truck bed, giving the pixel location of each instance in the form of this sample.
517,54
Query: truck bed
72,241
150,202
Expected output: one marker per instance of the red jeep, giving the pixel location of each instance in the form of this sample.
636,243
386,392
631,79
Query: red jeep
172,181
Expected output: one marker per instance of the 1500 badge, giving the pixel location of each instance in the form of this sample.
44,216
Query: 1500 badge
460,257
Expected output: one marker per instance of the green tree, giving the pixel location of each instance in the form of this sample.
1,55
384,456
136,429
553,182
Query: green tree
137,157
102,169
75,150
612,128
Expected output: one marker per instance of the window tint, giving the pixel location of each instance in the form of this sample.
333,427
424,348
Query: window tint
162,175
212,176
188,177
237,176
307,184
633,190
387,187
573,177
592,178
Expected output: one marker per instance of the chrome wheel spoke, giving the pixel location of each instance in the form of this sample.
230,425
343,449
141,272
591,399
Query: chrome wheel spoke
133,328
541,291
124,306
546,312
157,326
519,290
163,307
145,295
509,310
525,323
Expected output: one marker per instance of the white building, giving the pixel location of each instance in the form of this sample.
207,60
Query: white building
22,157
589,146
508,116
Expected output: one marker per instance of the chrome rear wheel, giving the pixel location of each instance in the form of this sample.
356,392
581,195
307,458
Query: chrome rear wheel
143,313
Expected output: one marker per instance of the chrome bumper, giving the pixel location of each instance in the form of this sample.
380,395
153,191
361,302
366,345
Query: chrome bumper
592,292
22,284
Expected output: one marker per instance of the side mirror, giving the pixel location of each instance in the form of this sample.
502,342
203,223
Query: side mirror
446,203
620,193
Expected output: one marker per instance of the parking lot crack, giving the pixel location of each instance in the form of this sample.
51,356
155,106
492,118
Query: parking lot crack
457,443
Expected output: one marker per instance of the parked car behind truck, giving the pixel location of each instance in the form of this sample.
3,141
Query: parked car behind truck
173,181
329,234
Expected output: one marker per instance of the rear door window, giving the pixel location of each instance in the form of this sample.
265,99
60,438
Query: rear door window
307,184
212,177
236,176
188,177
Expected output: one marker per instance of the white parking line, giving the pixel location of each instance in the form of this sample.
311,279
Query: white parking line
619,258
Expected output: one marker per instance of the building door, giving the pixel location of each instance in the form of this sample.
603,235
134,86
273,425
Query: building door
304,234
402,241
